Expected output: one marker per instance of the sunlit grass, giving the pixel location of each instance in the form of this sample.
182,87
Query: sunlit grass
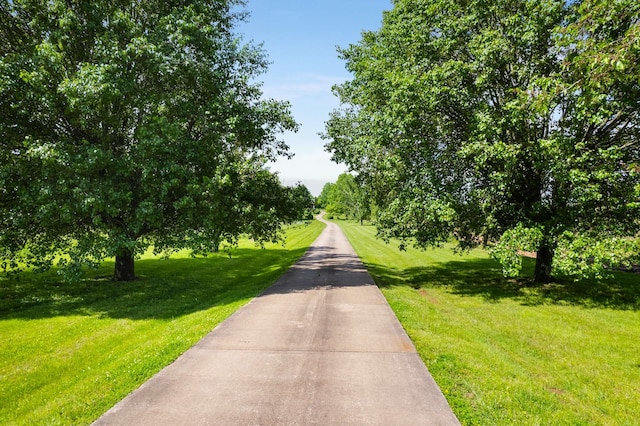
508,352
71,351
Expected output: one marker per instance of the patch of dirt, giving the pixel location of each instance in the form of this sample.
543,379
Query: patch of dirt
531,254
430,297
556,391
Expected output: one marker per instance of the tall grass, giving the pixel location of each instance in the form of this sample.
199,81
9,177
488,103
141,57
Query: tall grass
509,352
69,352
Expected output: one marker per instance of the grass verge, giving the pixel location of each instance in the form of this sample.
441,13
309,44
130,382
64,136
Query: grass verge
71,351
508,352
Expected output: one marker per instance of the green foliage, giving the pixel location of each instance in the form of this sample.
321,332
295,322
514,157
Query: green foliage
71,351
517,239
129,124
324,198
345,198
473,119
302,202
582,255
506,353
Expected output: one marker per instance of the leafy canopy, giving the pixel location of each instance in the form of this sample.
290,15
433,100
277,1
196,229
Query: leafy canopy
324,198
125,124
346,197
301,201
513,123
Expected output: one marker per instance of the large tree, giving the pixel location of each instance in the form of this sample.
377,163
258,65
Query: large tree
512,122
324,198
348,198
130,123
301,201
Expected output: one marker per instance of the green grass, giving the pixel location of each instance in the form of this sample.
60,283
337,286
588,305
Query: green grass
509,352
69,352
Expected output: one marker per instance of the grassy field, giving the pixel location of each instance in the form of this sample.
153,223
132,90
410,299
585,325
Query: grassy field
70,352
508,352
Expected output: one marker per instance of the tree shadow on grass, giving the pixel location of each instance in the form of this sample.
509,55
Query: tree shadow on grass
483,278
165,288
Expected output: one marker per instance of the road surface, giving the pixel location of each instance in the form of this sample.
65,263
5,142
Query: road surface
321,346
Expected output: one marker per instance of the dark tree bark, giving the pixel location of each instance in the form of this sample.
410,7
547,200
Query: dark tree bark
124,270
544,262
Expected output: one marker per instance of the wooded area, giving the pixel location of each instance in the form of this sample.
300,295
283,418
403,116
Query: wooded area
513,123
125,125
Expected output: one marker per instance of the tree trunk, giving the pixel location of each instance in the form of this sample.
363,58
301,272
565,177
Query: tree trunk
544,262
124,270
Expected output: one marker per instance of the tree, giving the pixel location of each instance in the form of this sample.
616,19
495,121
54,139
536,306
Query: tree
510,123
302,202
128,124
345,197
348,198
324,198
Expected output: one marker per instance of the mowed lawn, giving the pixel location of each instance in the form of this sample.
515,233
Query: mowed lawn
68,352
508,352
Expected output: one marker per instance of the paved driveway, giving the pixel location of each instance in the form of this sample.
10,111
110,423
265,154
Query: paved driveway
321,346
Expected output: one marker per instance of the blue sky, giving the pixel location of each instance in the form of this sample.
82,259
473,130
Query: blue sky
300,39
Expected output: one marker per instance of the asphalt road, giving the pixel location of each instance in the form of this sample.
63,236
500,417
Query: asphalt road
321,346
